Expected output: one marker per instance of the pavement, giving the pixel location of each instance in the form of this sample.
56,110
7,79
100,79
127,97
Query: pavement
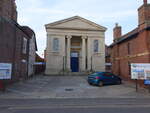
72,94
47,87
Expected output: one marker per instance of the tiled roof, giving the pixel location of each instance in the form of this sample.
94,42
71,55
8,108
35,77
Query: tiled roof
128,36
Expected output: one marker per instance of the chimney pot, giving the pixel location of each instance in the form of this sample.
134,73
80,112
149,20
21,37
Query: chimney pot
116,24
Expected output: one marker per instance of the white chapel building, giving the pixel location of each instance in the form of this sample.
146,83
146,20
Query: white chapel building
75,45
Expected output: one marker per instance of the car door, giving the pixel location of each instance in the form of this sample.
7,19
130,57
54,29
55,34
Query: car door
116,79
108,78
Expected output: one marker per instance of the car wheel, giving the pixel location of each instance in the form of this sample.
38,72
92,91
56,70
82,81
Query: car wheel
100,83
90,83
119,82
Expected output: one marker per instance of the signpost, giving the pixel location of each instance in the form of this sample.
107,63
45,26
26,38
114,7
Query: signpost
5,71
140,72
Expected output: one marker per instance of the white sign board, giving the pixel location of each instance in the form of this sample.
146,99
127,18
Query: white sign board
5,70
74,54
140,71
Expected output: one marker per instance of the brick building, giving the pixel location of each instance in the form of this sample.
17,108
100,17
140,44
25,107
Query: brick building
8,9
17,43
133,47
32,49
108,58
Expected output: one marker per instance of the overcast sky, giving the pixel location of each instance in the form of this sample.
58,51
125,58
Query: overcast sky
37,13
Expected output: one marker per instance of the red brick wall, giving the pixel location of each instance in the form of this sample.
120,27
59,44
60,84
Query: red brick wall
21,67
11,43
8,9
139,44
144,14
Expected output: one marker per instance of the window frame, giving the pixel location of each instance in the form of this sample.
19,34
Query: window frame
55,45
24,46
96,46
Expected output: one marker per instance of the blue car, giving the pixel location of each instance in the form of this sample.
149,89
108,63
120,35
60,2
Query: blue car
103,78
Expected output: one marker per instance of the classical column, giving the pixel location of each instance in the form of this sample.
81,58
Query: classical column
89,54
68,51
83,53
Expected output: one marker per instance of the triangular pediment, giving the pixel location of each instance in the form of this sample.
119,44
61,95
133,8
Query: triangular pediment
75,22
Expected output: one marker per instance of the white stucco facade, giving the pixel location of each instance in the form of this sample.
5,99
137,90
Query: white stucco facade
32,55
75,45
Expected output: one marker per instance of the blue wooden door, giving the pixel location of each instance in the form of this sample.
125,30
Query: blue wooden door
74,62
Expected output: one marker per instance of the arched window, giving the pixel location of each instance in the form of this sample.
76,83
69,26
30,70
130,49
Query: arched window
55,45
96,45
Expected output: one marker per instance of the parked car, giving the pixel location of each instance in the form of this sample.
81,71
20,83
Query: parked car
103,78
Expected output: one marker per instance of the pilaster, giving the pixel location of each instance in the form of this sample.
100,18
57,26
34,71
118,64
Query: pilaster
84,53
68,51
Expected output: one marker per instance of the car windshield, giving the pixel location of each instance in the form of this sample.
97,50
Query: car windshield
95,74
108,74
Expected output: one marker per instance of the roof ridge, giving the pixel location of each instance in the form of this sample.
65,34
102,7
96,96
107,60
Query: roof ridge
76,17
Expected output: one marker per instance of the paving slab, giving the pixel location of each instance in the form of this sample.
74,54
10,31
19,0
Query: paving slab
43,87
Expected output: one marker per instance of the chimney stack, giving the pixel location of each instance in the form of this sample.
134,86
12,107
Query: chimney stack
14,11
144,15
117,32
145,2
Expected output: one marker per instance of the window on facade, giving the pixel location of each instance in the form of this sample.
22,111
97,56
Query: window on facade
128,46
96,44
24,49
55,45
129,68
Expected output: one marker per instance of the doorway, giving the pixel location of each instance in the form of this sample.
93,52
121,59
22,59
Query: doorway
75,62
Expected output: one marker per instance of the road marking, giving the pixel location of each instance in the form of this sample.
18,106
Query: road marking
73,106
17,91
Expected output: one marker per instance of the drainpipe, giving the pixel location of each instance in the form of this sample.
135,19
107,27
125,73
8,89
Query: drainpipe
91,64
15,51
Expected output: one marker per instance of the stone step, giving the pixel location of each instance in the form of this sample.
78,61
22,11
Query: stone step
74,73
71,74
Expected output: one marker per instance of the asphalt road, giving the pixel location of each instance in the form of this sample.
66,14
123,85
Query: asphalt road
82,110
97,105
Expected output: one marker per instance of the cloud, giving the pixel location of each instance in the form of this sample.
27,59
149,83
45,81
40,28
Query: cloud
41,41
36,13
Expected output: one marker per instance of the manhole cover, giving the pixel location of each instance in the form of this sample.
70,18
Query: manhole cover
68,89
